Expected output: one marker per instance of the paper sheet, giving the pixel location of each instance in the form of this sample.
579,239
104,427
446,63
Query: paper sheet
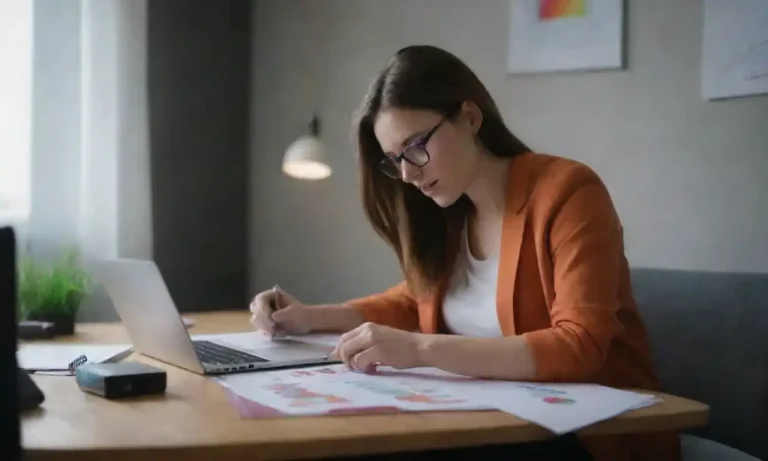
32,356
334,389
561,408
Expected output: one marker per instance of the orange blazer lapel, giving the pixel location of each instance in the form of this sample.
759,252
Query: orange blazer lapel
513,227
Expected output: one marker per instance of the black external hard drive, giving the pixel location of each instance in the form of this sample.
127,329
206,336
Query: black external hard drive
120,380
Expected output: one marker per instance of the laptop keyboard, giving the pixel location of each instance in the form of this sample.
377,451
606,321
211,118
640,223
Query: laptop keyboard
210,352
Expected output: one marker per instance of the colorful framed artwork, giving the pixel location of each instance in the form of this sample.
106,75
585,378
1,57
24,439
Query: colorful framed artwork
565,35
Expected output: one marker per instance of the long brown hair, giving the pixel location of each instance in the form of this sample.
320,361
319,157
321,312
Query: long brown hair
424,235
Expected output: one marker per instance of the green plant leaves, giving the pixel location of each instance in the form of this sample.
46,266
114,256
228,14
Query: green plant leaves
54,288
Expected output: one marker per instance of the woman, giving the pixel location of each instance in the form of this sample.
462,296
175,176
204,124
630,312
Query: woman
518,256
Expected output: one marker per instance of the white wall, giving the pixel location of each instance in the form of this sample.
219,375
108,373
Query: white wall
689,177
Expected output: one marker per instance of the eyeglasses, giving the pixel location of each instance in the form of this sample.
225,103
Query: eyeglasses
416,154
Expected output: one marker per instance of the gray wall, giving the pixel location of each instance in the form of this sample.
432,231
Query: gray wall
689,177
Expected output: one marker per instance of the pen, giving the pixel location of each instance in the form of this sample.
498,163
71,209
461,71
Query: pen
71,367
275,305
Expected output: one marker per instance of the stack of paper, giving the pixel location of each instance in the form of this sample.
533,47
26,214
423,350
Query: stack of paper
561,408
48,356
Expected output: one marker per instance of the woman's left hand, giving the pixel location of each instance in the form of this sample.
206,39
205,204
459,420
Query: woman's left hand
370,345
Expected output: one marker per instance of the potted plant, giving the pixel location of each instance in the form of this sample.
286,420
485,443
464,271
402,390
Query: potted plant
52,291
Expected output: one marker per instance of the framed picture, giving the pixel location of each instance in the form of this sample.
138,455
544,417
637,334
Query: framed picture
565,35
734,64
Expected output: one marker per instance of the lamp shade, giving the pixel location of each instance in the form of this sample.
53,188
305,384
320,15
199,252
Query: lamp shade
305,159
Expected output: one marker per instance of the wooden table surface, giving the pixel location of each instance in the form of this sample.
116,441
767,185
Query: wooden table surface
194,419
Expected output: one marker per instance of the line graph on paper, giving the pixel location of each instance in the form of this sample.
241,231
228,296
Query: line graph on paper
404,391
324,371
335,390
548,394
297,395
748,59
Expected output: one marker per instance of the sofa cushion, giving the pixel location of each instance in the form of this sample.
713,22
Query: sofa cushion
709,336
699,449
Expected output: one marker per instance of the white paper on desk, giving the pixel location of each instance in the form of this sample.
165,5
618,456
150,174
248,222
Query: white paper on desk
32,356
289,392
561,408
286,348
329,389
648,403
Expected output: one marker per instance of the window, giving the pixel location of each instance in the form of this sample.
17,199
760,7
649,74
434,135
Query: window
15,109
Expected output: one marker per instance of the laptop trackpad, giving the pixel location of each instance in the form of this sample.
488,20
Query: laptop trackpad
279,349
289,349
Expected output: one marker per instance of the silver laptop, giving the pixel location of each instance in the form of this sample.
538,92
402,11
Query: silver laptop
152,320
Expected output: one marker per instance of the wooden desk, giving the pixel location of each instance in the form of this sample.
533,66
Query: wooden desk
195,420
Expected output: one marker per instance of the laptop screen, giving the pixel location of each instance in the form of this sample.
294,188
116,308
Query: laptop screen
9,405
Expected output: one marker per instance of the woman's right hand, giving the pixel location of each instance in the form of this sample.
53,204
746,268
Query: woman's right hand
289,316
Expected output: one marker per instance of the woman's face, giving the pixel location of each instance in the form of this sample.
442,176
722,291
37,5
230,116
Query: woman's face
447,146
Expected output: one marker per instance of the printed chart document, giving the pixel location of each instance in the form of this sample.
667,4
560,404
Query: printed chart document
334,389
561,408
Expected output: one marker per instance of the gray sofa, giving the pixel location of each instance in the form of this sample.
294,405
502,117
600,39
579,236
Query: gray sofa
709,335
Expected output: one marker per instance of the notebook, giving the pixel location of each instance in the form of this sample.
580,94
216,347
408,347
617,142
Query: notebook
38,358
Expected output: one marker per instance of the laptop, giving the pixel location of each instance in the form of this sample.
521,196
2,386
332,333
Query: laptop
148,313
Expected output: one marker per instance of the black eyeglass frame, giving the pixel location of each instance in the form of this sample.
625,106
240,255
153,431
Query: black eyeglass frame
394,162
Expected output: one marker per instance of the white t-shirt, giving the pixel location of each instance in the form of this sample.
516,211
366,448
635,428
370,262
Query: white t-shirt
469,307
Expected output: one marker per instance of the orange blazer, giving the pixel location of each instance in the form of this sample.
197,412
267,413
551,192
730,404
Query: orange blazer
564,285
